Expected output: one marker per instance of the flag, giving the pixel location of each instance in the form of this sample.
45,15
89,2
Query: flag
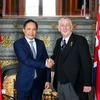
1,96
97,56
83,9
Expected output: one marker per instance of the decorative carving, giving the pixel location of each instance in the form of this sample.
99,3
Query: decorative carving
54,26
74,26
15,25
8,84
6,41
46,40
93,26
48,94
7,62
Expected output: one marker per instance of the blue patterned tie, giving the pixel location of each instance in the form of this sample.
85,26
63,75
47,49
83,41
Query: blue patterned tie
63,45
34,55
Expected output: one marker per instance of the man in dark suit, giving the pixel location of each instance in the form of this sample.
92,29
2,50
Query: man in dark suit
73,64
34,73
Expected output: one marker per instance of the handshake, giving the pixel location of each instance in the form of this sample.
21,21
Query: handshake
49,63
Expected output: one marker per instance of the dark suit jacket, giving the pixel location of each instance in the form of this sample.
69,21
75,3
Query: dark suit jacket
26,65
76,63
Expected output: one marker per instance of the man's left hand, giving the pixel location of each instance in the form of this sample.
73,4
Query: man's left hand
87,89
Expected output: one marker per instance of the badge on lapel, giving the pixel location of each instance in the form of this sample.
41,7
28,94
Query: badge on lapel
71,43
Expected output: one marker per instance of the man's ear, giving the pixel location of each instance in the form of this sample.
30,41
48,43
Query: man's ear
23,30
58,28
72,27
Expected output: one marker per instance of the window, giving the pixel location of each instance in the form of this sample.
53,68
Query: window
48,7
32,8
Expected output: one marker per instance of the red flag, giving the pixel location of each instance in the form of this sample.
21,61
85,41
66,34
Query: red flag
83,9
0,38
1,96
97,56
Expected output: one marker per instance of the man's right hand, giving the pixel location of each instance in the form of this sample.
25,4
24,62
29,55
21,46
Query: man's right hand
49,63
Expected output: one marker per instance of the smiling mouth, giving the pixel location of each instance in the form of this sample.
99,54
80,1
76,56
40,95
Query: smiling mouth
64,31
31,35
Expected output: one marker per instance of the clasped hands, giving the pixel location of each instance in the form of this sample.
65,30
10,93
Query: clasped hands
49,63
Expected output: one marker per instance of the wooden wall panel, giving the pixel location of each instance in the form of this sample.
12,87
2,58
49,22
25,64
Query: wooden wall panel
93,8
58,7
13,7
1,3
21,10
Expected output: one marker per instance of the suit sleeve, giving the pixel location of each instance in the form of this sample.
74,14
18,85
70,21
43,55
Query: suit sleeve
48,70
86,61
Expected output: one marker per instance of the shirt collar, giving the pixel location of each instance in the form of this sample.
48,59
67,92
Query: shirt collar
66,38
28,40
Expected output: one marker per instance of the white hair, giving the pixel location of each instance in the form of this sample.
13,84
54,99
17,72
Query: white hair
64,19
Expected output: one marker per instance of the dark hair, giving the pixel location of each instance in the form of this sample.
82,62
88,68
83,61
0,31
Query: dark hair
28,21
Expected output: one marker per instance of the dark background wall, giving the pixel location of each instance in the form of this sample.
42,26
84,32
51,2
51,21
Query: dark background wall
1,4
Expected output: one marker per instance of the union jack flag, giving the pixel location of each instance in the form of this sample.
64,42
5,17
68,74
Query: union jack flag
97,56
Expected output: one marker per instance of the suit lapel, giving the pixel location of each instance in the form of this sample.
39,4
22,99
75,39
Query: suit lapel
58,49
38,46
26,45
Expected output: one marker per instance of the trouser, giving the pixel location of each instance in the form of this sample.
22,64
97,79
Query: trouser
35,93
66,92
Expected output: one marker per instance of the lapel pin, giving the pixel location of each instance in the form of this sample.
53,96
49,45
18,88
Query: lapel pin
71,43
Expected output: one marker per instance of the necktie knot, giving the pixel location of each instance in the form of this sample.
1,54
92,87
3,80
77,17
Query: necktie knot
31,41
64,41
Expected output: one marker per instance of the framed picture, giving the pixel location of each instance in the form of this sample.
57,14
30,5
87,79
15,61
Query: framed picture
76,6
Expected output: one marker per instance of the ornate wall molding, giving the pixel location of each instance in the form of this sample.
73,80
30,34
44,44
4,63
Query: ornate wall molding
6,62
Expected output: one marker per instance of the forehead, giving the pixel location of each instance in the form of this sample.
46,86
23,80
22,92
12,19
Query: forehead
31,23
65,21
